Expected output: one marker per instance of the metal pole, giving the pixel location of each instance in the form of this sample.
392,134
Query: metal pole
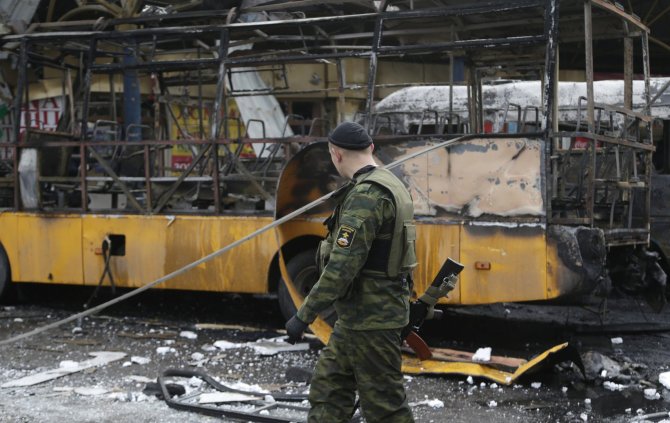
647,72
588,44
472,110
550,64
220,102
132,97
112,88
479,101
201,124
219,98
372,75
147,177
647,111
20,88
451,81
590,114
451,90
341,81
84,122
18,103
627,69
550,102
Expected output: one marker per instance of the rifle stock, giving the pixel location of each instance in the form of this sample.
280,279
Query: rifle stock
443,282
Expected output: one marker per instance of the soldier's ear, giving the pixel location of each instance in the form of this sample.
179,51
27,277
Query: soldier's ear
338,155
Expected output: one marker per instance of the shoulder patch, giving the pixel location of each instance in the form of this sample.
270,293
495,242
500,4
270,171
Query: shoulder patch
345,236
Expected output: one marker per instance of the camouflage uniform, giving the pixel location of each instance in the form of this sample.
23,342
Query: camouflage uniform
371,301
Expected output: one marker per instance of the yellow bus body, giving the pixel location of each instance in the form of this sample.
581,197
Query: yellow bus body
66,249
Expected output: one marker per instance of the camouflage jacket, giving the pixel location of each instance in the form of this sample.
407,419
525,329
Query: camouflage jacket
363,302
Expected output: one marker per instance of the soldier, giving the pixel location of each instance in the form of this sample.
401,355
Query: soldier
365,264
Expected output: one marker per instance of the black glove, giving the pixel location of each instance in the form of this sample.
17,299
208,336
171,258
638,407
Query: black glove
295,328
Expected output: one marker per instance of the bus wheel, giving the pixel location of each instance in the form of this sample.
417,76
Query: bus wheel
5,277
302,270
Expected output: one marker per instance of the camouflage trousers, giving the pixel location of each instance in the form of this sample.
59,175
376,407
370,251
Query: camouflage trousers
367,361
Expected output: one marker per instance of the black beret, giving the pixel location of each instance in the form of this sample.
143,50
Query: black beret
350,136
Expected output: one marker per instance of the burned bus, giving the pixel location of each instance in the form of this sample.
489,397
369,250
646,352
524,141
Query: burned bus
174,134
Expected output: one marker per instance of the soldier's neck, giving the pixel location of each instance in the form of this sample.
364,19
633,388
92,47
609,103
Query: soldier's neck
354,166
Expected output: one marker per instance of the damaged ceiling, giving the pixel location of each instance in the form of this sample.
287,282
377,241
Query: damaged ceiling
455,30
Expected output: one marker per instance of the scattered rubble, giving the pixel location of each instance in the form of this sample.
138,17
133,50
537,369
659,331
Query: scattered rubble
611,386
140,360
598,365
433,403
166,350
236,359
651,394
67,367
482,355
664,379
84,390
219,397
188,334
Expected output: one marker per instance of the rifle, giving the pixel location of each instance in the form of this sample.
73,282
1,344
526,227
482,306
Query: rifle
424,308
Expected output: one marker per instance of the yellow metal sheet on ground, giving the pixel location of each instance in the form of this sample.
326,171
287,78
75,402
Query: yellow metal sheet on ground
413,365
503,264
44,253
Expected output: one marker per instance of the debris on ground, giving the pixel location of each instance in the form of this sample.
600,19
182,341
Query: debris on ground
298,374
237,400
269,346
154,389
611,386
166,350
101,358
139,360
664,379
433,403
219,397
274,346
87,391
482,355
598,365
651,394
558,392
188,334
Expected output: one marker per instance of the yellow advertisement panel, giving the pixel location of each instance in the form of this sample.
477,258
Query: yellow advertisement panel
185,125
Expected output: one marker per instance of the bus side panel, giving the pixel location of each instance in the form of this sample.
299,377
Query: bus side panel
435,243
242,269
660,212
49,249
503,264
9,240
158,245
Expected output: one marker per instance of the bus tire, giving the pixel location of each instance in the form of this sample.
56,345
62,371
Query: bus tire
5,277
302,270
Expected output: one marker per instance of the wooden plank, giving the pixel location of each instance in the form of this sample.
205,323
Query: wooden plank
446,354
457,356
